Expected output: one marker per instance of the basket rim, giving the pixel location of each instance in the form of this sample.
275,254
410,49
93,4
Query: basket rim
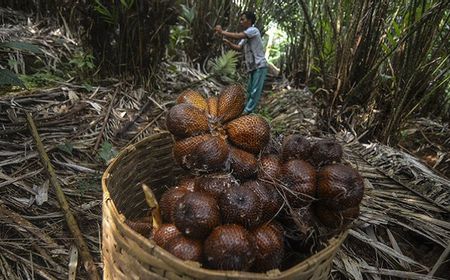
187,266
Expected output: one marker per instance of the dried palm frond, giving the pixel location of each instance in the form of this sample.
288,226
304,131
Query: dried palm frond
70,122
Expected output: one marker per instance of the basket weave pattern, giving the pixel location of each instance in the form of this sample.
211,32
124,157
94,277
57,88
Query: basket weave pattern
128,255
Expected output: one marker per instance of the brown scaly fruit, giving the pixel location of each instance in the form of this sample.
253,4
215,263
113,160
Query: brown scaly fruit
243,164
326,152
168,201
271,200
340,186
165,234
229,247
193,98
211,154
186,249
269,168
335,218
184,150
269,247
213,103
300,179
193,128
296,147
231,103
196,214
171,196
250,133
143,225
340,189
187,183
215,184
240,205
185,120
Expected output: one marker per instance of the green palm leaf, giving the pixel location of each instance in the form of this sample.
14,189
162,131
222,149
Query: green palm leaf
21,46
9,78
225,65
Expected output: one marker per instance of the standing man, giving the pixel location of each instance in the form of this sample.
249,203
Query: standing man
252,45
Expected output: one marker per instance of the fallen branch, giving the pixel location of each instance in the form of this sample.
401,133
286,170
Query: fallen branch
70,219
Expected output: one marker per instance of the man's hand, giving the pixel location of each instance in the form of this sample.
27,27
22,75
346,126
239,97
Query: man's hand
231,44
218,29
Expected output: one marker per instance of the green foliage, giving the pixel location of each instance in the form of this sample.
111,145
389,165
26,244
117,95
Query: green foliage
109,16
107,152
265,113
20,46
127,4
8,78
181,33
187,14
40,79
83,61
91,183
276,44
88,87
81,66
384,60
224,66
66,147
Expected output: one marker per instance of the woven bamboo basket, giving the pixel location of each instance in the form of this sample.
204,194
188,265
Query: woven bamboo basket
129,255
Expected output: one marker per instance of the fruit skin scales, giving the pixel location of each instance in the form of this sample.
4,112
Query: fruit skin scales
231,103
299,177
186,249
143,225
185,120
296,147
340,190
193,98
165,234
243,164
340,186
229,247
211,153
171,196
269,168
171,239
326,152
215,184
196,214
213,103
183,150
241,205
210,135
270,200
269,247
250,133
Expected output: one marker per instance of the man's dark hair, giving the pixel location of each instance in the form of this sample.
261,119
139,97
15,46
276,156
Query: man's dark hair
250,16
